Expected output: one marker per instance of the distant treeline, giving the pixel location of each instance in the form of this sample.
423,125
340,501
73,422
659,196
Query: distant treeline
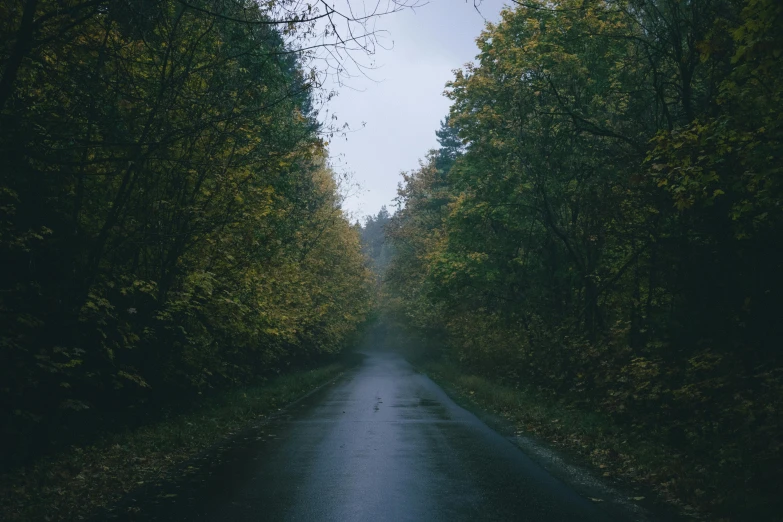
374,244
168,224
603,222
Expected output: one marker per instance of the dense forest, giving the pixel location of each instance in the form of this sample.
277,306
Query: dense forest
375,247
170,224
602,223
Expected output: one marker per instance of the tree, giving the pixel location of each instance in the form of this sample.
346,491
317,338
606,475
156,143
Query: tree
166,210
610,233
451,146
374,243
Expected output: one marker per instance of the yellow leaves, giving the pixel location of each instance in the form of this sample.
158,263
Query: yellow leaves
705,361
682,203
135,378
72,363
478,257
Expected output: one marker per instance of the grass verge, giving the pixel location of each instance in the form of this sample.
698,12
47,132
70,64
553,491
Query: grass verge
607,447
77,482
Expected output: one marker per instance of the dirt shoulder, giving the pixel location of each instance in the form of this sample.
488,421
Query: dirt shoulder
600,460
76,483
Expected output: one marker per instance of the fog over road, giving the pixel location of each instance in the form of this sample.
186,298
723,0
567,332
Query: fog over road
382,443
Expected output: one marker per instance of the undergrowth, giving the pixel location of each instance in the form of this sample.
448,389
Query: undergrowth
613,450
78,481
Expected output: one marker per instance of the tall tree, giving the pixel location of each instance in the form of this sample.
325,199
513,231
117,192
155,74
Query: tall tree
168,222
610,233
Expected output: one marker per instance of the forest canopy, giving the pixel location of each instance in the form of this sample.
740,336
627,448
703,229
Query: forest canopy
605,228
170,223
601,223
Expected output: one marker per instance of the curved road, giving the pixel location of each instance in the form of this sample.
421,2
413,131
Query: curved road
383,443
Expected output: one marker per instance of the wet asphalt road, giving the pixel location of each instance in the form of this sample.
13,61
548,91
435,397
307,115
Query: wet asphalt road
383,443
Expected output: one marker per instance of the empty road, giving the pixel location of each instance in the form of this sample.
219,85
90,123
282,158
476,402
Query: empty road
382,443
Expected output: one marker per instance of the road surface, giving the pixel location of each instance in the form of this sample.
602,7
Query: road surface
383,443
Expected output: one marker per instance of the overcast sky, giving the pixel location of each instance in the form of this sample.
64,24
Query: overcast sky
403,109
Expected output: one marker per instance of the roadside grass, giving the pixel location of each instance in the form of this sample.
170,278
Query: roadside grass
77,482
613,451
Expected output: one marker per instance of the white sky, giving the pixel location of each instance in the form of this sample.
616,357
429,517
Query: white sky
403,109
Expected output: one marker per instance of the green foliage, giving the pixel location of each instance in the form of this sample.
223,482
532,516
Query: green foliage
169,223
610,234
374,243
